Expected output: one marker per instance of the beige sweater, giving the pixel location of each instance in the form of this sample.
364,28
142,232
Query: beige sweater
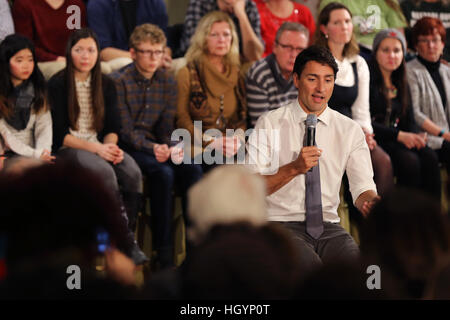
31,141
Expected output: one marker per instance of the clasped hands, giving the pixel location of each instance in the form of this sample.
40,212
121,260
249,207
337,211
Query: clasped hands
163,152
110,152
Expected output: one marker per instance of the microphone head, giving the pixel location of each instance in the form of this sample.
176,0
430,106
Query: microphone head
311,120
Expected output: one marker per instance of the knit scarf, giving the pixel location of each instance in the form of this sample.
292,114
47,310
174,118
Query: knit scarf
24,98
216,82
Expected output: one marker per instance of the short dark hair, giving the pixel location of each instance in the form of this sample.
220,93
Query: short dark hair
315,53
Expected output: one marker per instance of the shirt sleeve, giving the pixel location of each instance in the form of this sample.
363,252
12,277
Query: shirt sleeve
257,97
361,106
6,22
23,22
262,157
184,119
359,165
98,13
395,18
43,132
415,90
161,19
193,15
15,144
112,117
57,98
253,17
166,121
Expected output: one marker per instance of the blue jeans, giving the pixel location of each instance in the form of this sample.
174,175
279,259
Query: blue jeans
163,177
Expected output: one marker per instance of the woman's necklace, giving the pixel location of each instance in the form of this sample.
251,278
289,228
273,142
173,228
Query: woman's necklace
392,91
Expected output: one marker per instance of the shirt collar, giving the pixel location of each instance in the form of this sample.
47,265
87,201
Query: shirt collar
86,83
300,115
140,79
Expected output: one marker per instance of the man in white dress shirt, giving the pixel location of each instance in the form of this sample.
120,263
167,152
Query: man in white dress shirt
341,146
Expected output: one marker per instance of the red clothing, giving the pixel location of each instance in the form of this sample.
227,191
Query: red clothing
270,23
45,26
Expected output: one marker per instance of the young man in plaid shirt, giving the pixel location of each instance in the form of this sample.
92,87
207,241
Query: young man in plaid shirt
147,97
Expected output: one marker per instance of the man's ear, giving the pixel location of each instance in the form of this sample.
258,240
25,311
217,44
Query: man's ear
133,53
296,79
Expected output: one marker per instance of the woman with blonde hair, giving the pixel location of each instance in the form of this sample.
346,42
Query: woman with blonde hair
211,88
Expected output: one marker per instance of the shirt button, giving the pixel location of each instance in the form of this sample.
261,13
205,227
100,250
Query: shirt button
147,106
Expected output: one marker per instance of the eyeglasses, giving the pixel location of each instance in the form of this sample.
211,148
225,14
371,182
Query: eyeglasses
153,53
289,47
434,41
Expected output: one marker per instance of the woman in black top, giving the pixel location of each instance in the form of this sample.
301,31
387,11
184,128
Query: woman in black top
415,164
86,124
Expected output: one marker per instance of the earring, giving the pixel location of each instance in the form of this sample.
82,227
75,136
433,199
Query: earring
326,36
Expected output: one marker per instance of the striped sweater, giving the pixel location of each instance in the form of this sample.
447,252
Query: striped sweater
266,88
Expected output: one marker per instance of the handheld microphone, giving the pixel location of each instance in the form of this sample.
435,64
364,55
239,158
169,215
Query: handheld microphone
311,122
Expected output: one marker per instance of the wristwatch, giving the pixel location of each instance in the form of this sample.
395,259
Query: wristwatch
441,133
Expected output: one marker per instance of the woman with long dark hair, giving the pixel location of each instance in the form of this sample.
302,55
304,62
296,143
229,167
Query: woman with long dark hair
415,164
86,122
25,121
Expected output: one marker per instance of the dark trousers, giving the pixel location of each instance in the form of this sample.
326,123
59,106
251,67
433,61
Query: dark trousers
162,179
122,177
334,245
444,155
415,168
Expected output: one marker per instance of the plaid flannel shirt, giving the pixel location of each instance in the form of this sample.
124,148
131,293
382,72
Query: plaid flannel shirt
147,108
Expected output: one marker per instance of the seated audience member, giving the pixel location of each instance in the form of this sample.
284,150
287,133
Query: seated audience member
86,124
147,97
427,79
114,21
244,15
370,17
269,81
44,229
415,164
46,23
408,237
237,253
6,21
240,261
351,90
273,13
417,9
211,88
235,195
304,200
25,120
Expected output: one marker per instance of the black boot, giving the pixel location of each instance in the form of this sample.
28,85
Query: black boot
133,251
133,203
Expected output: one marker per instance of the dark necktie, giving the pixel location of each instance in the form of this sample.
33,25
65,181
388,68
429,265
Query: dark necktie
313,200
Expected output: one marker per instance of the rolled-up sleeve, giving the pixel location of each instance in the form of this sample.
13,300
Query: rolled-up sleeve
359,166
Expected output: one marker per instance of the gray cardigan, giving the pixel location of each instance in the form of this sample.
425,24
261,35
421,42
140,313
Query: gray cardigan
426,100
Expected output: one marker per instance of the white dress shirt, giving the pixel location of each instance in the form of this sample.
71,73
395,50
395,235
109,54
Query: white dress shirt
277,141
